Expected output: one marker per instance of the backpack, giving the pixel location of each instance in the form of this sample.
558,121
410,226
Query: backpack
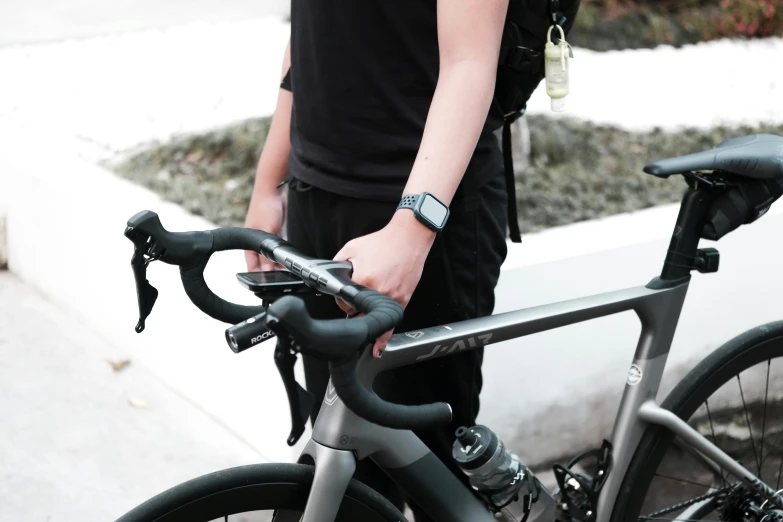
521,69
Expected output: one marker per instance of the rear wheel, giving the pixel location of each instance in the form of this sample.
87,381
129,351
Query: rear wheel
257,493
734,398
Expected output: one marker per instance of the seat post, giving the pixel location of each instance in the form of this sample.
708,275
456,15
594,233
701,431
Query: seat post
681,256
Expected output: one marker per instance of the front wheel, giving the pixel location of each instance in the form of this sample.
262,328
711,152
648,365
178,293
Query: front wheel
734,398
262,492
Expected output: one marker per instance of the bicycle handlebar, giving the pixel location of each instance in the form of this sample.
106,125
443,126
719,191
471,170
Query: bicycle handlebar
335,340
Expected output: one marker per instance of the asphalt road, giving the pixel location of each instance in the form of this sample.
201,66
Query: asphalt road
40,21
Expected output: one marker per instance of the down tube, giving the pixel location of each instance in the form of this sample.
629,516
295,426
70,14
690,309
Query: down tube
659,316
438,492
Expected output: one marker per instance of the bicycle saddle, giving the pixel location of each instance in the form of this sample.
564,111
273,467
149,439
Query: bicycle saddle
759,156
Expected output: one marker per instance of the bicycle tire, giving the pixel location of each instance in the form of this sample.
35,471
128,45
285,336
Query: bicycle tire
256,487
752,347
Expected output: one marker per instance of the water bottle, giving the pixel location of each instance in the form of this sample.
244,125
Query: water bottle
510,489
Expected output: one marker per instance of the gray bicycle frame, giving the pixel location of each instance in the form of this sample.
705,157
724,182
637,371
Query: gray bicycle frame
340,437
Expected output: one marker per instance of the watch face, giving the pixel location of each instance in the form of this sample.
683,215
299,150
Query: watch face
433,210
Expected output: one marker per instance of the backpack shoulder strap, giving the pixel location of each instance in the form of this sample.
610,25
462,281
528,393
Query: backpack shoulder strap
508,167
530,16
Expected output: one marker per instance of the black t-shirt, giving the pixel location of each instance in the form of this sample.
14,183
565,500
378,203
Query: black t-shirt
363,74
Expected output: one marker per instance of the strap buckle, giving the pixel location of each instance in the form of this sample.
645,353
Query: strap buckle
513,116
555,8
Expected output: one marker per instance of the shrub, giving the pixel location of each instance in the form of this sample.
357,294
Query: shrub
616,8
750,18
708,18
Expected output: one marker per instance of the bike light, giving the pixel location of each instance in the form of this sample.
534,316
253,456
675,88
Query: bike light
248,333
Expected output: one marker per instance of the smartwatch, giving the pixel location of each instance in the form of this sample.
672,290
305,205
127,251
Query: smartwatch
428,209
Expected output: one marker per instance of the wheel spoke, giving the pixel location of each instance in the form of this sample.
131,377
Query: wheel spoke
715,439
764,420
747,419
772,447
683,480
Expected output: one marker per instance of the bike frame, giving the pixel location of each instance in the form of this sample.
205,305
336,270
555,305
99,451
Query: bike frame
340,437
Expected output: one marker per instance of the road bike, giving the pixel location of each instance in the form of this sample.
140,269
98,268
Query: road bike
689,441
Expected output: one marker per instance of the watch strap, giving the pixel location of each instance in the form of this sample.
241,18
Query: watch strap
409,201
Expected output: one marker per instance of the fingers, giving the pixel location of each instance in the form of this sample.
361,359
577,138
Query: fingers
380,344
345,253
345,307
253,261
258,263
267,265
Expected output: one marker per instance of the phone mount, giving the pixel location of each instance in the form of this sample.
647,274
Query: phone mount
269,296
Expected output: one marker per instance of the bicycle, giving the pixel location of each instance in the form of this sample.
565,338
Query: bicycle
355,424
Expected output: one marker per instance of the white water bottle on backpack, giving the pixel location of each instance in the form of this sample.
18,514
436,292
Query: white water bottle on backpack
556,56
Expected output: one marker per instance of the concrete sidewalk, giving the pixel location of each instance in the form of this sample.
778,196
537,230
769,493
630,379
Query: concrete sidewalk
81,441
37,21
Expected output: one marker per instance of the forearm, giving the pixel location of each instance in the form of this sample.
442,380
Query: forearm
457,116
272,166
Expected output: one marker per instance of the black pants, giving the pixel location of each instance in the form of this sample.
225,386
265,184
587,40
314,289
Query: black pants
457,283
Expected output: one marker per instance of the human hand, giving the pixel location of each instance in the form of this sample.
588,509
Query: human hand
389,261
267,213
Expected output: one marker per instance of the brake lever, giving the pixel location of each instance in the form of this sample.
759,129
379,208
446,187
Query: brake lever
146,294
300,401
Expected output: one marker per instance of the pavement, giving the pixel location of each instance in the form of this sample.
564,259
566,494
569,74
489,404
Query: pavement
45,21
80,439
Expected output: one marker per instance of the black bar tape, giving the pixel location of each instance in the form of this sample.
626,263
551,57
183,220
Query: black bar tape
247,239
334,340
193,273
382,313
209,303
371,407
327,339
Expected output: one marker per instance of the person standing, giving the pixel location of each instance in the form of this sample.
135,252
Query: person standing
384,105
